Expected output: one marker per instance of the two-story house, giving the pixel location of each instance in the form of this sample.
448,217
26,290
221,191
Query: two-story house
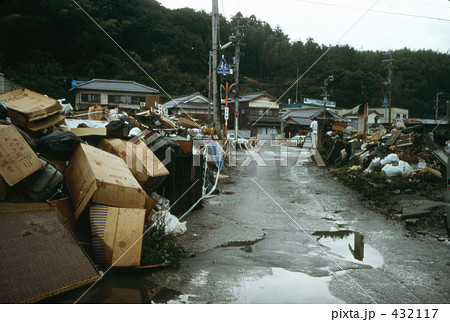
258,114
121,94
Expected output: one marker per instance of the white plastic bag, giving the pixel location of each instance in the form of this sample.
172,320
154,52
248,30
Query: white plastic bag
392,171
402,169
391,158
375,162
172,226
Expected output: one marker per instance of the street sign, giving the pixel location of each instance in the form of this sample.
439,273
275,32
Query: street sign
227,113
223,68
385,101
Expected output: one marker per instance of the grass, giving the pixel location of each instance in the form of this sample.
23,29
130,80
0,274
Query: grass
159,248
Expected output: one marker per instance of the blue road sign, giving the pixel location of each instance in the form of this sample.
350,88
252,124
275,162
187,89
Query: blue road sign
223,67
385,101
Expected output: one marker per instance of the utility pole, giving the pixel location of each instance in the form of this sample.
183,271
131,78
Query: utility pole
215,46
321,134
448,110
437,102
296,88
325,94
210,96
389,82
237,55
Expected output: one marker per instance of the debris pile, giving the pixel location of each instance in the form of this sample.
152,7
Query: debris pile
108,176
391,160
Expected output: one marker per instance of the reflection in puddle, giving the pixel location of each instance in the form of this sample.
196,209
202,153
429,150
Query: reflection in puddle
148,294
119,287
283,286
350,246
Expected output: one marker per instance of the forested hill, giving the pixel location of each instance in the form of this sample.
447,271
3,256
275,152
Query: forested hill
46,44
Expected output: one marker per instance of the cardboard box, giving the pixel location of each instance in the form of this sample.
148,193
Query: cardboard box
17,159
185,146
31,109
87,131
102,177
143,163
116,235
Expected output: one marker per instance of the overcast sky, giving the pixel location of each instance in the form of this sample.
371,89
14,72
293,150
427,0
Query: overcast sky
426,27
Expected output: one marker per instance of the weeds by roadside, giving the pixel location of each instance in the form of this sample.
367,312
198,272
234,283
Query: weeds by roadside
160,248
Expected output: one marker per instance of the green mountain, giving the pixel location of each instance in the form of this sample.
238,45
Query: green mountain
44,44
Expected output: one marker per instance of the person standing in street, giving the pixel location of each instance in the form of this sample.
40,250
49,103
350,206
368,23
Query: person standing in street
273,133
313,127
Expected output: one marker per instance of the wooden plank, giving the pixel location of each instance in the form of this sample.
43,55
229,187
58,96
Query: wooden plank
393,138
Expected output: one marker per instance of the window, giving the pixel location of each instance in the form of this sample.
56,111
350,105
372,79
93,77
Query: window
92,98
126,99
404,116
136,100
398,115
260,112
243,111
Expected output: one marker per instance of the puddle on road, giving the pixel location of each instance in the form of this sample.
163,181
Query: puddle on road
148,294
123,288
285,287
349,245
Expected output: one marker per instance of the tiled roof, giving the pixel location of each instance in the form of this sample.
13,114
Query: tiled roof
185,102
115,86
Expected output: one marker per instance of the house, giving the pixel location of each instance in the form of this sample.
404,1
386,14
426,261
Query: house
297,121
120,94
354,119
194,105
396,113
6,85
258,114
378,112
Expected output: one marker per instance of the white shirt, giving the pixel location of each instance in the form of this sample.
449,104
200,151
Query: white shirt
313,125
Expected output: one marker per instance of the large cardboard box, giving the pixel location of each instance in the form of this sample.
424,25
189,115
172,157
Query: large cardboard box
102,177
32,110
17,159
116,235
143,163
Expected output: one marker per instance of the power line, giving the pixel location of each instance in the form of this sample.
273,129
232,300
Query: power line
318,59
131,58
377,11
428,4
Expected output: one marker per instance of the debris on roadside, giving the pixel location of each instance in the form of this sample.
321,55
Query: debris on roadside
392,160
119,181
32,110
40,256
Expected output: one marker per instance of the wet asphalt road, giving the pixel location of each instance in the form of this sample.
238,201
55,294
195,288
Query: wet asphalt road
288,233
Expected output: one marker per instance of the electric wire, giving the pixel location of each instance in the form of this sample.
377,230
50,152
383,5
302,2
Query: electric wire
137,240
318,59
132,59
377,11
